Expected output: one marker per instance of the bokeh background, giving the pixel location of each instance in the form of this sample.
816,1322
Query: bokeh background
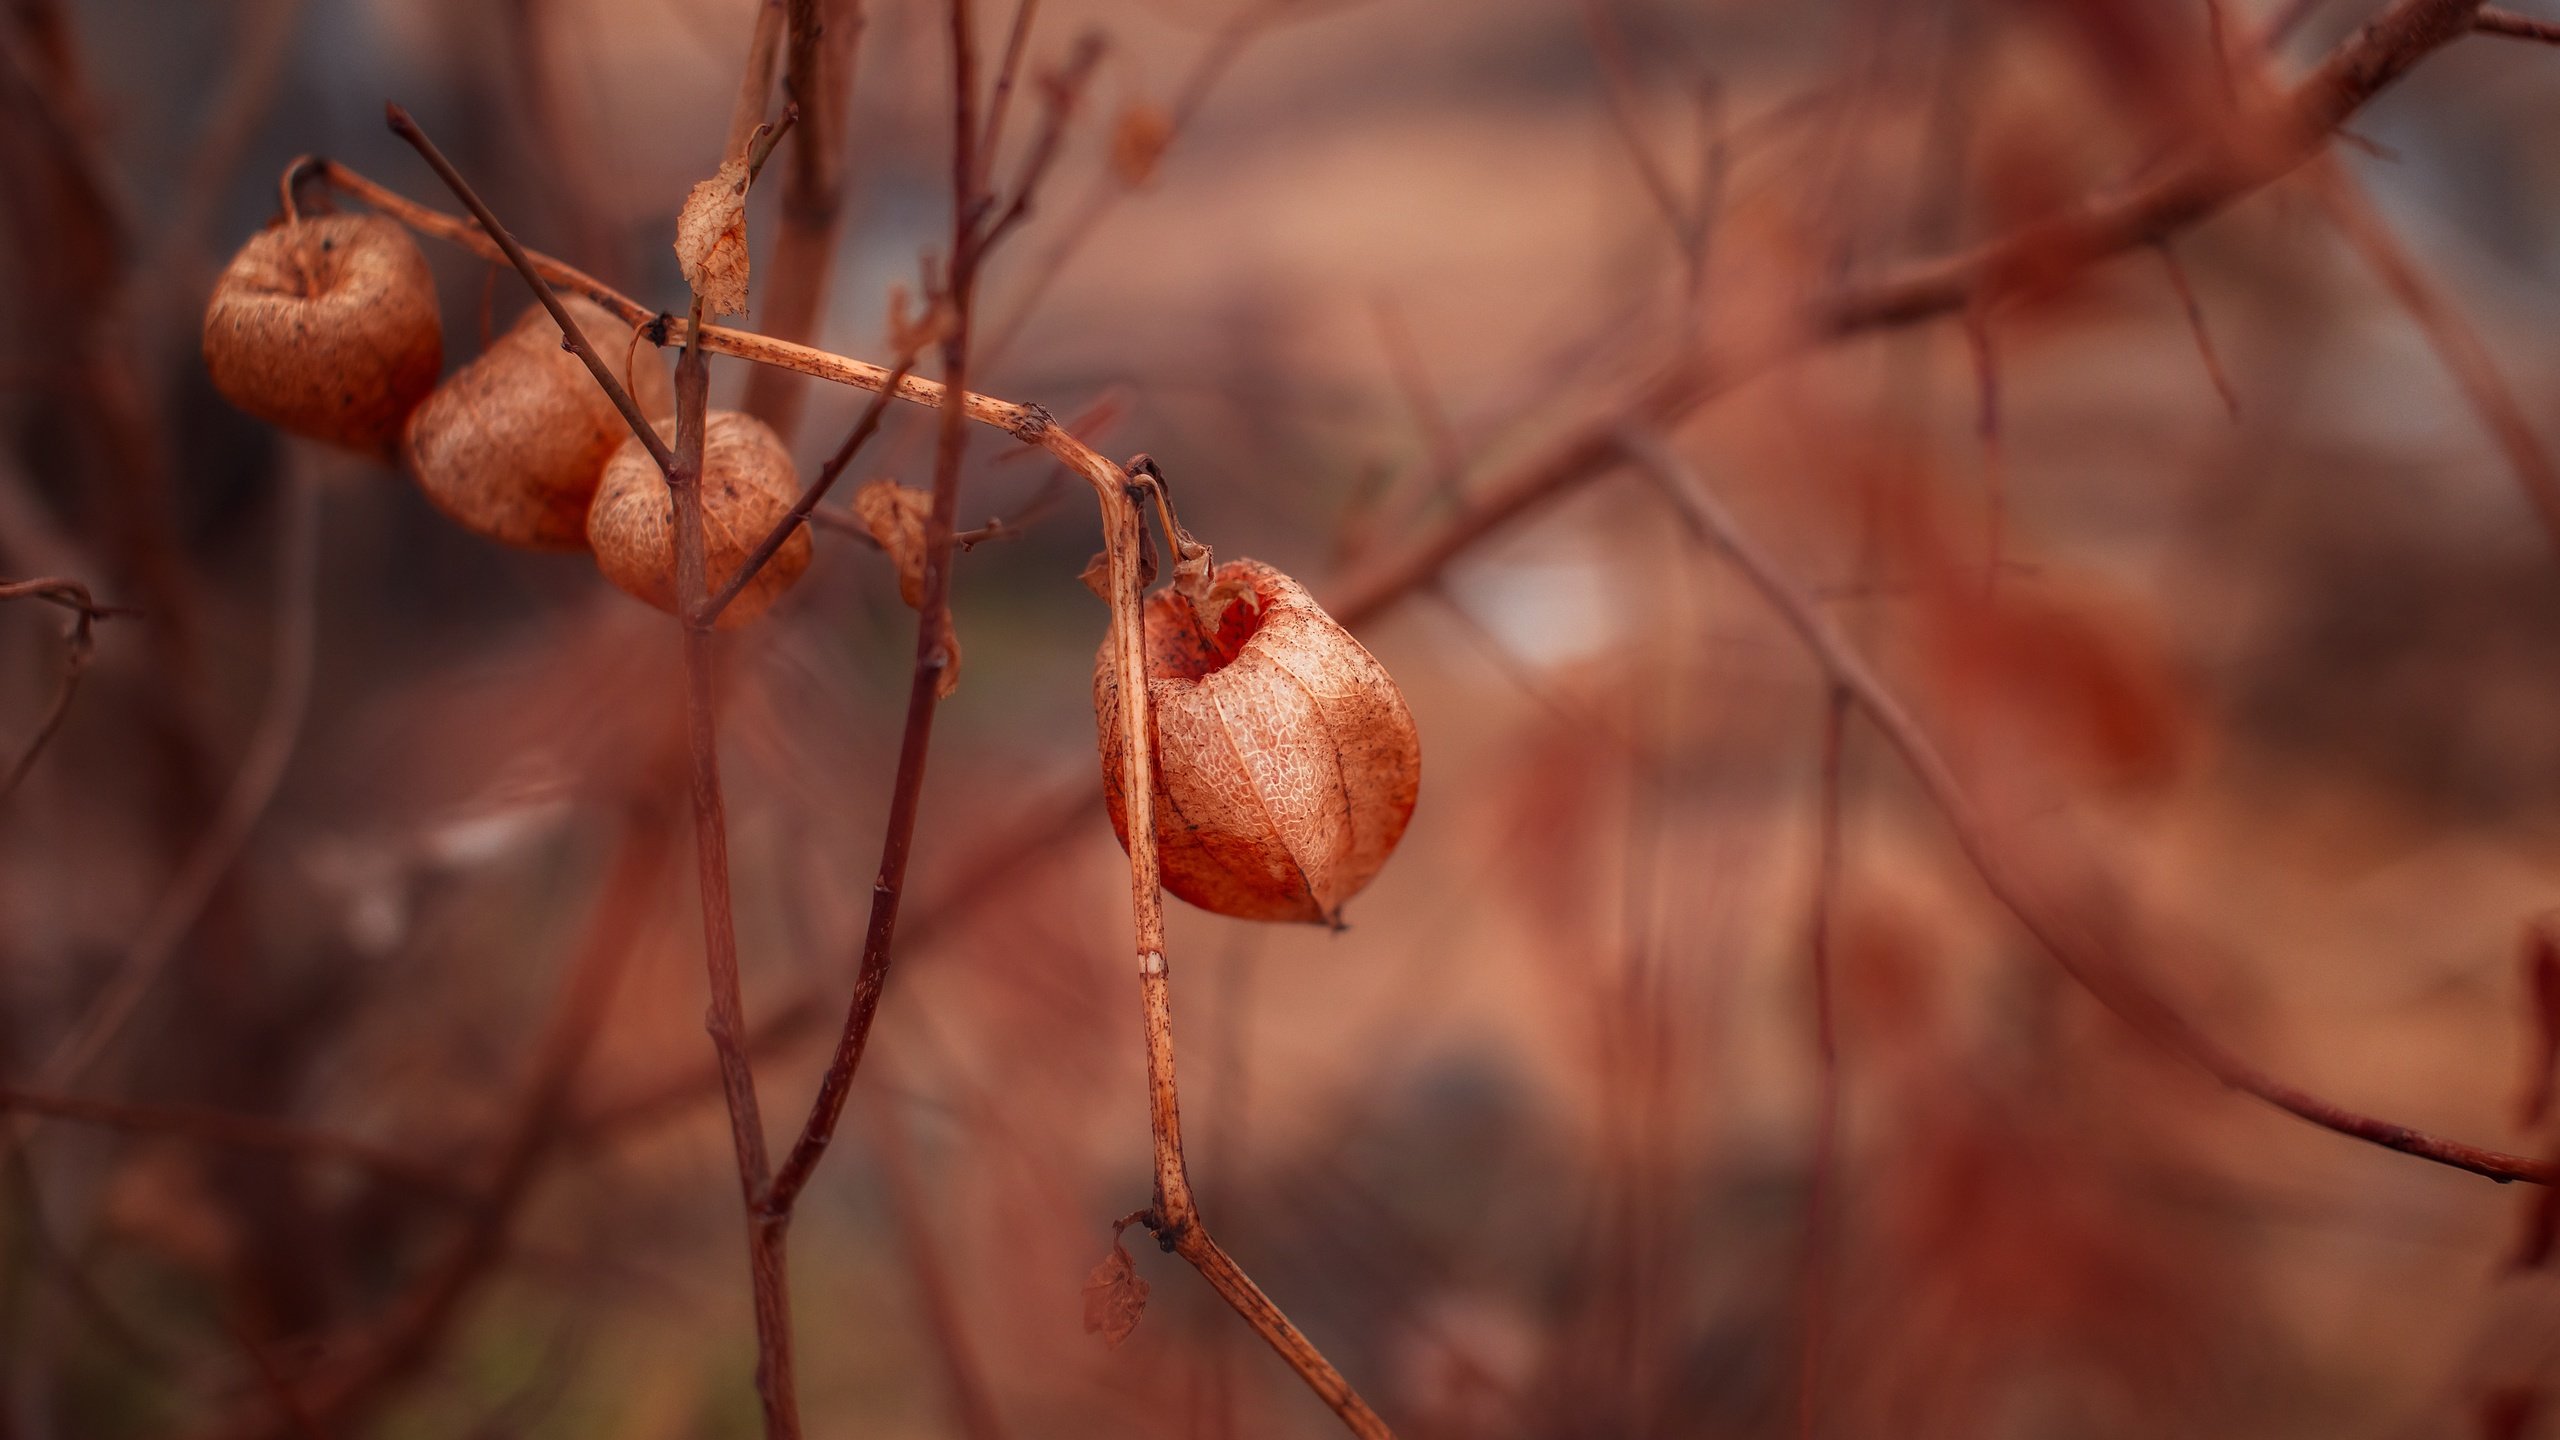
2240,609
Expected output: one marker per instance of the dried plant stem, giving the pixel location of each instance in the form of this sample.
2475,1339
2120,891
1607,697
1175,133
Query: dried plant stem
262,766
806,507
79,642
755,78
822,53
2452,335
2187,301
2090,956
935,652
973,1409
767,1270
726,1021
2499,20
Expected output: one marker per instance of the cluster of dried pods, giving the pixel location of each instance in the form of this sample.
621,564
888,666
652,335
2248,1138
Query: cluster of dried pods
1286,764
327,326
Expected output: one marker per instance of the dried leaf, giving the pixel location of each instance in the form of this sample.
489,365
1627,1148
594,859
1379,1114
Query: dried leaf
1115,1295
915,334
895,515
1139,139
1287,763
711,240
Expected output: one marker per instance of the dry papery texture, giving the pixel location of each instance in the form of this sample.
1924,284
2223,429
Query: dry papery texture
1286,761
748,485
513,444
327,327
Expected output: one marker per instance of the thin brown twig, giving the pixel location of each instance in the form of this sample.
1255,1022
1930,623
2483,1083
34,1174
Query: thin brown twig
2499,20
262,765
2187,301
1062,94
934,651
2456,342
279,1387
1448,458
1685,217
244,1131
2090,956
1017,43
973,1409
79,644
726,1020
807,505
824,50
1216,57
755,79
496,234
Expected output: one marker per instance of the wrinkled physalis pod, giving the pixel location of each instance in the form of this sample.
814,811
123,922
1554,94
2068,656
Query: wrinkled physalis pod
512,444
748,485
327,327
1286,761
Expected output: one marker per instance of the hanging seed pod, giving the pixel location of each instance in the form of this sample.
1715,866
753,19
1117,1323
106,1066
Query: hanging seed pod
512,444
1286,761
748,485
327,327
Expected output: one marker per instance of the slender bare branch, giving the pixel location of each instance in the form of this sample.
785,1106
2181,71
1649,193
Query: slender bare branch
2452,335
2092,957
2499,20
514,254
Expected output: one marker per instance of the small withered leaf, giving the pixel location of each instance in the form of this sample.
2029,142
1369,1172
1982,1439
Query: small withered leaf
1138,141
1115,1296
895,516
711,240
1097,571
912,333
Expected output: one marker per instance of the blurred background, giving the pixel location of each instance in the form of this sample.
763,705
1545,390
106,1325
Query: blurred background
2198,564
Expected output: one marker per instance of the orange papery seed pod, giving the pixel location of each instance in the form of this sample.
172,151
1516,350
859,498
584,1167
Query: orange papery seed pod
327,327
748,485
513,443
1286,762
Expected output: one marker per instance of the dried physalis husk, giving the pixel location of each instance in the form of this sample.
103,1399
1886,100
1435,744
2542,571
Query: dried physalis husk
327,327
513,443
748,485
1286,761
